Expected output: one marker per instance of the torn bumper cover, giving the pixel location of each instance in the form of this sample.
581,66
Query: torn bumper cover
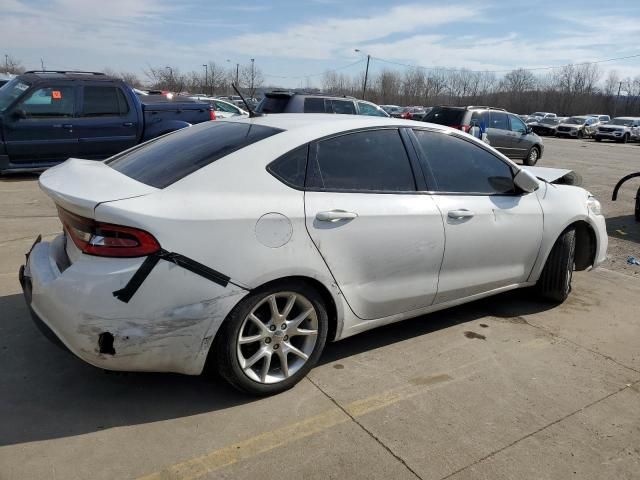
167,326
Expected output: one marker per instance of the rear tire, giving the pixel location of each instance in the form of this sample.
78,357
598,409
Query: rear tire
554,283
624,139
598,139
237,344
532,156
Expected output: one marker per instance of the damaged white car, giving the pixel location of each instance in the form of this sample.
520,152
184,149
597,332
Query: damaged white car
250,243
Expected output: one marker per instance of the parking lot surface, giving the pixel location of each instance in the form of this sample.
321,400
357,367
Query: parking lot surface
498,389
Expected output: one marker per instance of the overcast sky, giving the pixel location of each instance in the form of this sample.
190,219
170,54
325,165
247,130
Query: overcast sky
292,40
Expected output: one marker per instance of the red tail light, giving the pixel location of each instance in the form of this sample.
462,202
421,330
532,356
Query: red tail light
212,114
105,239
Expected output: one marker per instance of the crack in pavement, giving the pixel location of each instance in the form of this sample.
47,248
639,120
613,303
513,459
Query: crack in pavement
365,429
495,452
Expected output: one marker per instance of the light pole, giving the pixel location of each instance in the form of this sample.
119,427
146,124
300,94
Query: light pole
170,76
237,71
251,92
6,63
366,74
206,78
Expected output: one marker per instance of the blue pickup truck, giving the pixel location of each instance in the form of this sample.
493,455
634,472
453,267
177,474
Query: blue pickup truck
47,117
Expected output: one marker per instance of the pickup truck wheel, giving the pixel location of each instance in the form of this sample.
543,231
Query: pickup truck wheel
532,156
272,338
554,283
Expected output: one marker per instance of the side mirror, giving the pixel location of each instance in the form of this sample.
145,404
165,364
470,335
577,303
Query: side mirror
529,130
19,114
526,181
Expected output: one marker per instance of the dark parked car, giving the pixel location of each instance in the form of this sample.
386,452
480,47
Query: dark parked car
505,131
291,102
545,126
410,113
47,117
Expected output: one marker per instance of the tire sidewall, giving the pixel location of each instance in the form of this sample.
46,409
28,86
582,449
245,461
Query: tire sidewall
527,160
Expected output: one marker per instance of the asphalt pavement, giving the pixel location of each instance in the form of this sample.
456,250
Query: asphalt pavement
502,388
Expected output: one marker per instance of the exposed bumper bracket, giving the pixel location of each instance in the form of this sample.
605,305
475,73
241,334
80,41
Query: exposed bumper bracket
125,294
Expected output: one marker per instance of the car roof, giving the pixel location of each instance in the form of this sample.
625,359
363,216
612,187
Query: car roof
330,122
35,75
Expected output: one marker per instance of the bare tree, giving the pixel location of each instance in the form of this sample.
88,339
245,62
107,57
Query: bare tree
251,78
12,65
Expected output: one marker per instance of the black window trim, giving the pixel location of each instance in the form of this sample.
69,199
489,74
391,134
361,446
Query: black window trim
270,167
431,177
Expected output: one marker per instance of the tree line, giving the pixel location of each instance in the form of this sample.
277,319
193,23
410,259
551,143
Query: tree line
567,90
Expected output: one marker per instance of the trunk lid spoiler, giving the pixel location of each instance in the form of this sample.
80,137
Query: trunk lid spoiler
81,185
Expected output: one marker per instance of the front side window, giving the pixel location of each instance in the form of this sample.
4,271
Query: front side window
10,91
373,160
49,102
103,102
459,166
371,110
345,107
517,125
169,158
498,120
225,107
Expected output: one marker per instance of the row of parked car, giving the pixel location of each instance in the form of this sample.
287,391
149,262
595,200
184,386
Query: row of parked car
596,126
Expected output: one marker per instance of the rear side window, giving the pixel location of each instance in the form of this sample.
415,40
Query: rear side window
291,167
369,109
459,166
103,102
167,159
498,120
345,107
373,160
314,105
445,116
276,104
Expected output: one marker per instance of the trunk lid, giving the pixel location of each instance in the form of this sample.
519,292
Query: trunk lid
81,185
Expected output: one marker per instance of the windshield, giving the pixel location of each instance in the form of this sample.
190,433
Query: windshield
537,114
576,120
550,121
621,121
10,91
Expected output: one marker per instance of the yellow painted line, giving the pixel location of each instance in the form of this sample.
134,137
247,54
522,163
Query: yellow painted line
217,459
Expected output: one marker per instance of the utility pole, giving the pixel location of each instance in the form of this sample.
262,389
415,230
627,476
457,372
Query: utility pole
206,78
237,73
252,76
42,63
170,77
6,63
366,74
615,104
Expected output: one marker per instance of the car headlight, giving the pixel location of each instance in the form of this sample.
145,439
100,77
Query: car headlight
594,205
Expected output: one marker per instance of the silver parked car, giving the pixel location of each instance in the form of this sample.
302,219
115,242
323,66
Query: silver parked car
620,129
578,127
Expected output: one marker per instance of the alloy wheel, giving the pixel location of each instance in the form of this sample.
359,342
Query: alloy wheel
277,337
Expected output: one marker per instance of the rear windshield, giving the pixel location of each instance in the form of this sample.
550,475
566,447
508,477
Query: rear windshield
273,104
167,159
445,116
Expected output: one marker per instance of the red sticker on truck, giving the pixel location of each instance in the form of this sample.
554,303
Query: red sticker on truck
56,95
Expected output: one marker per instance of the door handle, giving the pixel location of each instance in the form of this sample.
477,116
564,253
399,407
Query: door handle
127,124
462,213
67,125
335,216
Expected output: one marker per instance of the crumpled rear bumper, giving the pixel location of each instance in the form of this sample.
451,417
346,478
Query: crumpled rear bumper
168,326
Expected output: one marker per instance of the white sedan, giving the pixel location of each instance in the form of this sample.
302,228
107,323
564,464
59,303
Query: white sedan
249,243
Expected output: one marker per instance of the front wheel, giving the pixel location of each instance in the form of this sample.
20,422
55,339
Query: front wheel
532,156
272,338
580,135
554,283
624,139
